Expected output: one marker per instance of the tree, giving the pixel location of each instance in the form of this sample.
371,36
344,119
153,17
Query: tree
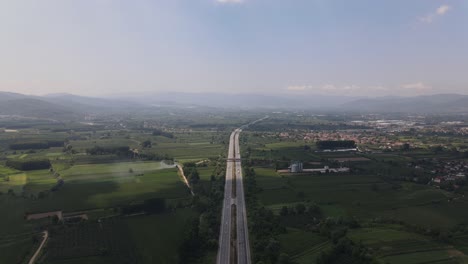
154,206
41,195
314,210
300,208
335,144
33,164
284,211
146,144
284,259
301,195
55,219
194,176
437,149
272,250
405,147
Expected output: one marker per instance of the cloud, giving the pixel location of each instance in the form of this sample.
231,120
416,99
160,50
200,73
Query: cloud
345,88
419,86
440,11
229,1
443,9
406,89
298,88
326,88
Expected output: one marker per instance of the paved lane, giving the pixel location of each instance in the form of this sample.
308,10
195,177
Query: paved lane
242,231
224,251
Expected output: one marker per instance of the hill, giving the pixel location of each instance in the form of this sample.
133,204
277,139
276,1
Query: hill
66,106
440,103
31,107
245,101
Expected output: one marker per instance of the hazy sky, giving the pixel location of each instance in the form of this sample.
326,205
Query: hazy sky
358,47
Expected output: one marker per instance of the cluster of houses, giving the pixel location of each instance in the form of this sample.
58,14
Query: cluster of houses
444,171
361,137
449,171
446,128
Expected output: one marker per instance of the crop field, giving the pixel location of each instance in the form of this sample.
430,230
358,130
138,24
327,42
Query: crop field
205,173
106,190
98,184
108,239
398,246
273,149
303,247
183,152
82,145
31,182
158,237
15,248
364,196
117,169
150,239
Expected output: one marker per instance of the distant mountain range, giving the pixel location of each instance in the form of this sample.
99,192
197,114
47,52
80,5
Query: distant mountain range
68,106
440,103
61,106
245,101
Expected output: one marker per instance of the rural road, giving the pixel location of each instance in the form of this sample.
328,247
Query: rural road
234,177
38,251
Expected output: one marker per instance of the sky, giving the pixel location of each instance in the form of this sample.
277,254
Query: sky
336,47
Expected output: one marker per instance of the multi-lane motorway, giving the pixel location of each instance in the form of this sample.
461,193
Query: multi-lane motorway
234,248
243,246
224,251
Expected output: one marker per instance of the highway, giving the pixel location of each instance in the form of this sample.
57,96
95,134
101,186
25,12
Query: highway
234,176
224,251
243,246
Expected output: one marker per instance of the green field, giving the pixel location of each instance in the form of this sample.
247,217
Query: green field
379,203
150,239
16,248
355,195
364,195
158,237
99,185
394,245
303,247
107,190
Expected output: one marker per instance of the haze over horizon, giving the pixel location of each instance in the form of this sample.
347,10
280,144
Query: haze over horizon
354,48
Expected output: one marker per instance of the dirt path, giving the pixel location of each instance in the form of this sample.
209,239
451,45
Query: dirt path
34,257
184,178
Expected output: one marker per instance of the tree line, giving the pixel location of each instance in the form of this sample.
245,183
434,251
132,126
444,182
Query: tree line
26,165
335,144
121,151
158,132
36,145
264,226
203,231
149,206
191,172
